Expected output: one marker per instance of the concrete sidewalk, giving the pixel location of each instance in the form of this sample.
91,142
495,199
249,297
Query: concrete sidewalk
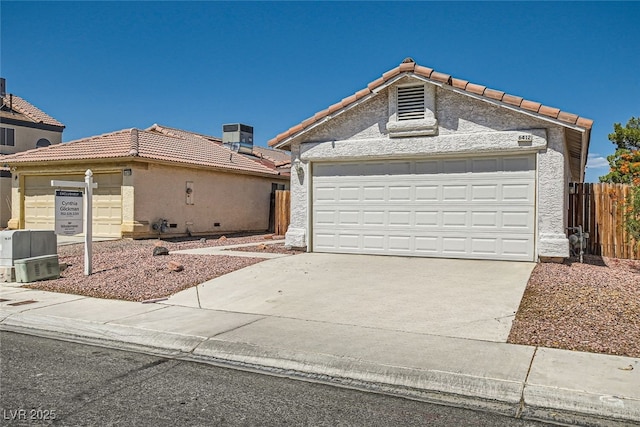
538,383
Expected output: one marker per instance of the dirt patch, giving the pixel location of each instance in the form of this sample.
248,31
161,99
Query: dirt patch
126,269
594,306
277,248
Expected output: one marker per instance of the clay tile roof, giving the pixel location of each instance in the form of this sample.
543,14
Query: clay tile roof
459,83
391,73
567,117
475,88
441,77
376,83
512,100
530,105
408,66
423,71
494,94
28,110
549,111
279,157
156,143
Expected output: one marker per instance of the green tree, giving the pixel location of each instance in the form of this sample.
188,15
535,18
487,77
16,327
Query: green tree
625,169
625,162
627,137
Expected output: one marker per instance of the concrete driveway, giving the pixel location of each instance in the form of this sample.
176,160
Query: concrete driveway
447,297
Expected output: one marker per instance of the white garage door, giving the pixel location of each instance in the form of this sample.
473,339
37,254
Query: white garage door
107,203
480,208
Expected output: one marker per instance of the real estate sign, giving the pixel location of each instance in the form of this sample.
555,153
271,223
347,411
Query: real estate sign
68,212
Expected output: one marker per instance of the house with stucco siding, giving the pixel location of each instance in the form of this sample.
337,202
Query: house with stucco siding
419,163
23,127
151,182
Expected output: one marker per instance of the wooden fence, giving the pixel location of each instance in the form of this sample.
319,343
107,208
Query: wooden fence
599,209
283,211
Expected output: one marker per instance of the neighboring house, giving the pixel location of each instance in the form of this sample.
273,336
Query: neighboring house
190,180
22,127
422,164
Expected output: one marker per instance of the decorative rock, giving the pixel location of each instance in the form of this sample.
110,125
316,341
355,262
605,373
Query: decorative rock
175,266
203,240
222,238
160,250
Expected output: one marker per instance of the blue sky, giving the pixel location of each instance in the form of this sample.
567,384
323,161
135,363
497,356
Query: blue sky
104,66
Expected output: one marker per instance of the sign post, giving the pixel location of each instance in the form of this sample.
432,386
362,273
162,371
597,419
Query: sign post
68,204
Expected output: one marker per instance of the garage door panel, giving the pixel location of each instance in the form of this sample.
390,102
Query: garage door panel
400,243
454,166
484,192
399,193
484,246
517,192
373,243
452,193
39,202
373,193
426,245
467,208
325,194
347,194
427,219
485,165
516,164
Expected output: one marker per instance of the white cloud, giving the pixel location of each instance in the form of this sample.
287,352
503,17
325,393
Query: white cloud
596,161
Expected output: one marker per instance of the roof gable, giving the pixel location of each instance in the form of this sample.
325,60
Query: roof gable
409,68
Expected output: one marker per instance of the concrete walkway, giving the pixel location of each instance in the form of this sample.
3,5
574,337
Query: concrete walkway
351,335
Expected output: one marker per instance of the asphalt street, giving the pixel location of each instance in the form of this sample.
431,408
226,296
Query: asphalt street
50,382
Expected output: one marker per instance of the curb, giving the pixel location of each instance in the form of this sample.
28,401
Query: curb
518,399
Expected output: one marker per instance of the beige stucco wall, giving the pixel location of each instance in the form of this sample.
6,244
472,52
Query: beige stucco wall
151,192
26,138
237,202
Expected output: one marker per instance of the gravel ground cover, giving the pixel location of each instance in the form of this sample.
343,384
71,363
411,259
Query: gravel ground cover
127,270
594,307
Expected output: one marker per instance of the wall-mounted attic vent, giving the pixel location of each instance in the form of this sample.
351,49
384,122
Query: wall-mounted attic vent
411,103
238,137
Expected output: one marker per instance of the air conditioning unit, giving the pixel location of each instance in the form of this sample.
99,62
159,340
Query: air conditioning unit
238,137
37,268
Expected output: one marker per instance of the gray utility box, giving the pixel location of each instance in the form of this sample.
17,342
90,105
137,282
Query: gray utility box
20,244
37,268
